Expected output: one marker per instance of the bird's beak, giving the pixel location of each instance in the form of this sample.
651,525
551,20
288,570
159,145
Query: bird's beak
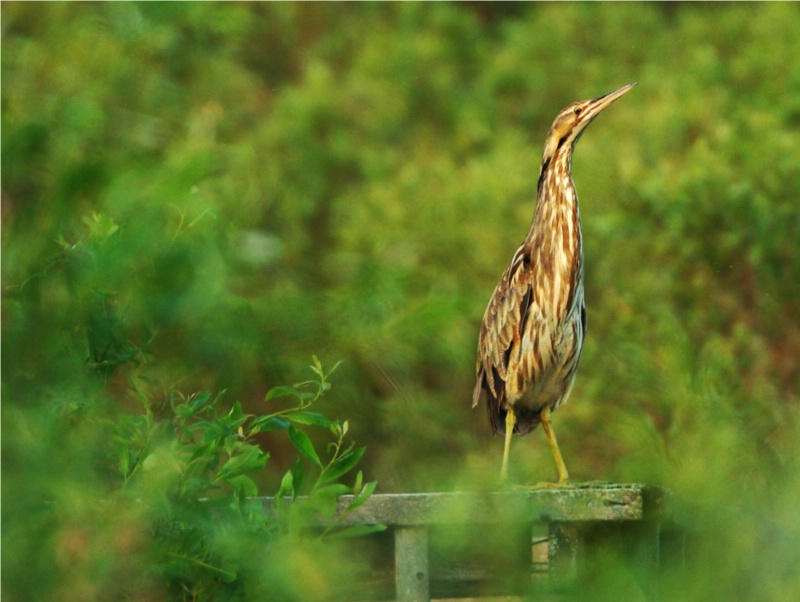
598,104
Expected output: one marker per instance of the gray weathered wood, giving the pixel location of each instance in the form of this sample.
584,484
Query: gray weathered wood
503,543
584,503
563,549
411,564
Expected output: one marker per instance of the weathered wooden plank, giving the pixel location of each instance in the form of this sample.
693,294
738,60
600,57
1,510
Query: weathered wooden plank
411,564
571,504
505,543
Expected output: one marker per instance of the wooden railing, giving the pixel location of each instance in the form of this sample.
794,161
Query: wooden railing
449,545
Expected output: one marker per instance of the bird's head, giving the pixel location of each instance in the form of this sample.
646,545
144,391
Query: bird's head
574,118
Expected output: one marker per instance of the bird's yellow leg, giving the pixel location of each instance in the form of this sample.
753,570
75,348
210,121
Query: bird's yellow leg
563,475
511,420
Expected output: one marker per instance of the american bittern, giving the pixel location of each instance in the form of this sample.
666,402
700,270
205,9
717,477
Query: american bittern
533,329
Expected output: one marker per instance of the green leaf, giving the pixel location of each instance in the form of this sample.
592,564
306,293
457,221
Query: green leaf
270,423
184,411
314,418
297,475
335,366
334,490
303,444
317,366
251,458
362,497
203,449
243,486
287,486
325,498
236,410
100,225
125,462
282,391
357,531
343,465
231,422
200,400
218,431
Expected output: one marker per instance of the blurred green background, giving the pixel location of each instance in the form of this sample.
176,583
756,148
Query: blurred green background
202,196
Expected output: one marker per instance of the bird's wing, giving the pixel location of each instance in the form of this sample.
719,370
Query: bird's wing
503,326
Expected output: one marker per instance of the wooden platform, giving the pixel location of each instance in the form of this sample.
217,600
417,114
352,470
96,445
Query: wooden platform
509,543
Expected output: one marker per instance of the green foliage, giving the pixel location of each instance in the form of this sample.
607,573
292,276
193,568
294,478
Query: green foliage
177,519
195,194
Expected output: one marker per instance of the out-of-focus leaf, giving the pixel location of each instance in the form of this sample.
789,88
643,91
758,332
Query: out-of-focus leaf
282,391
303,444
343,464
313,418
271,423
287,486
356,531
297,476
325,498
200,400
363,495
335,490
251,458
235,412
317,366
243,486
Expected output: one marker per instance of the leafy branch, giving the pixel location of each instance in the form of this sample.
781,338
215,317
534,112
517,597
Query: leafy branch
200,453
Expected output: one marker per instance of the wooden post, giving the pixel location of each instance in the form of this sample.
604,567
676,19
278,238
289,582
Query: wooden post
411,564
563,551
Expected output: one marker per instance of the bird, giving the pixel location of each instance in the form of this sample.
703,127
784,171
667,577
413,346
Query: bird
533,330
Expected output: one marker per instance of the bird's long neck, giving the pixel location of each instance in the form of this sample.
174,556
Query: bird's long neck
554,240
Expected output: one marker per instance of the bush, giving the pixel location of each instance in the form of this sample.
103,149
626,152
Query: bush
159,504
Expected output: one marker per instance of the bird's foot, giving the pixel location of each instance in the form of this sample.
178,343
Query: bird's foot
567,484
594,484
570,484
506,486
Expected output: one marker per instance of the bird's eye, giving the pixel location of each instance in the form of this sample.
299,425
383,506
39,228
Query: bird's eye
577,110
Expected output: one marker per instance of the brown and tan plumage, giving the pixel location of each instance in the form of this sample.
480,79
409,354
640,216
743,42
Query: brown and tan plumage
534,326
